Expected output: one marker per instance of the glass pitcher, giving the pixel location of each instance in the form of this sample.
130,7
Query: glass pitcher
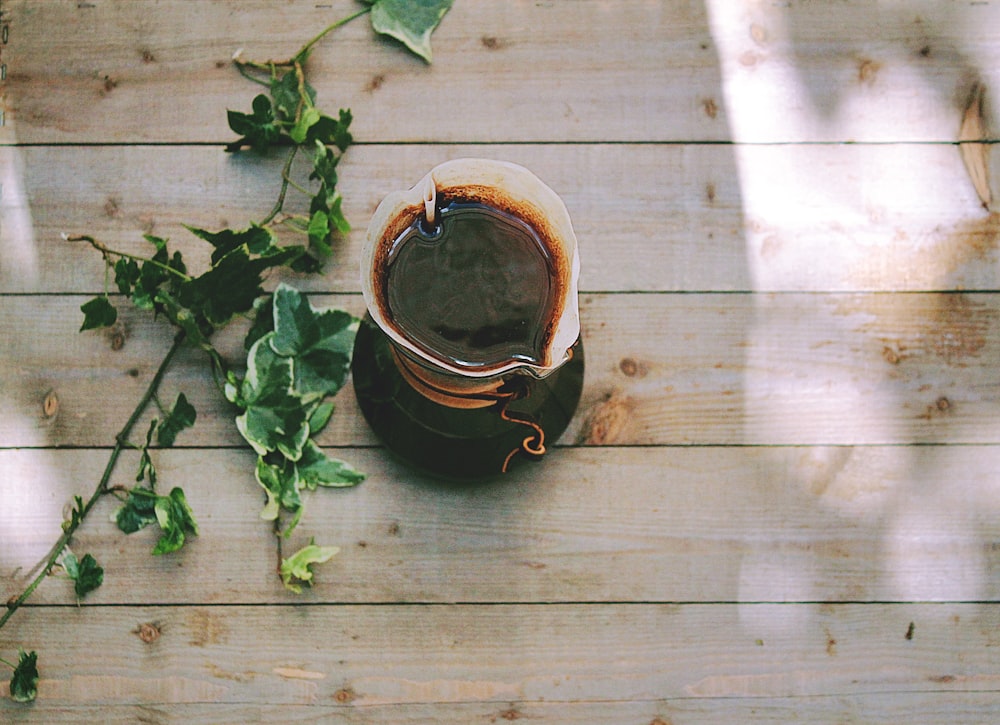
469,358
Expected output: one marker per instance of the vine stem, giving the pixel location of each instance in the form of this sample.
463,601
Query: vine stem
121,443
107,251
285,181
299,57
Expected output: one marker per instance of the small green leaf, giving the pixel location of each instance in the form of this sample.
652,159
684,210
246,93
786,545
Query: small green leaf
319,231
24,681
75,514
138,511
258,129
86,573
333,131
98,313
181,416
126,274
279,479
315,468
306,121
176,519
409,21
146,465
296,570
286,95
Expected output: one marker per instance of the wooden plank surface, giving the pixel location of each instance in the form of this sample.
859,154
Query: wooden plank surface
645,70
649,218
778,500
673,369
376,660
698,524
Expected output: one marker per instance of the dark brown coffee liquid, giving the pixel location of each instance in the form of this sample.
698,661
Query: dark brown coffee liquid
453,443
475,290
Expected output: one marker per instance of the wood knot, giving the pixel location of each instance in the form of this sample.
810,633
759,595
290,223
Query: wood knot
632,368
867,71
607,422
50,404
345,695
148,632
491,42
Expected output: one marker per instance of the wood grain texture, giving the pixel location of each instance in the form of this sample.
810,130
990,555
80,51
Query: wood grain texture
947,708
651,218
370,660
674,369
800,72
621,524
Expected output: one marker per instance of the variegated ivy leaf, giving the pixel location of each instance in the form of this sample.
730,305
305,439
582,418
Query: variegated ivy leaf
320,341
274,417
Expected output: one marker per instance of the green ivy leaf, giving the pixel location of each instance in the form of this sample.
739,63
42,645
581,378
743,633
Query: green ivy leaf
86,573
24,681
146,466
320,416
75,514
296,570
263,321
287,98
410,21
279,479
126,274
176,519
138,511
320,341
274,418
171,512
257,129
181,416
310,116
98,313
332,131
254,240
230,286
315,468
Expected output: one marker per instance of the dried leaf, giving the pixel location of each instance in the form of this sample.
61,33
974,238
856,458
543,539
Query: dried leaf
976,155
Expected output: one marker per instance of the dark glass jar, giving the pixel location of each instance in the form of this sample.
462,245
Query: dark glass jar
469,360
447,436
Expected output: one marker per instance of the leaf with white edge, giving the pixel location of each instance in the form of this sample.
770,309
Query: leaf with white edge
296,570
316,468
410,21
137,512
176,520
321,341
86,573
319,417
280,482
274,418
